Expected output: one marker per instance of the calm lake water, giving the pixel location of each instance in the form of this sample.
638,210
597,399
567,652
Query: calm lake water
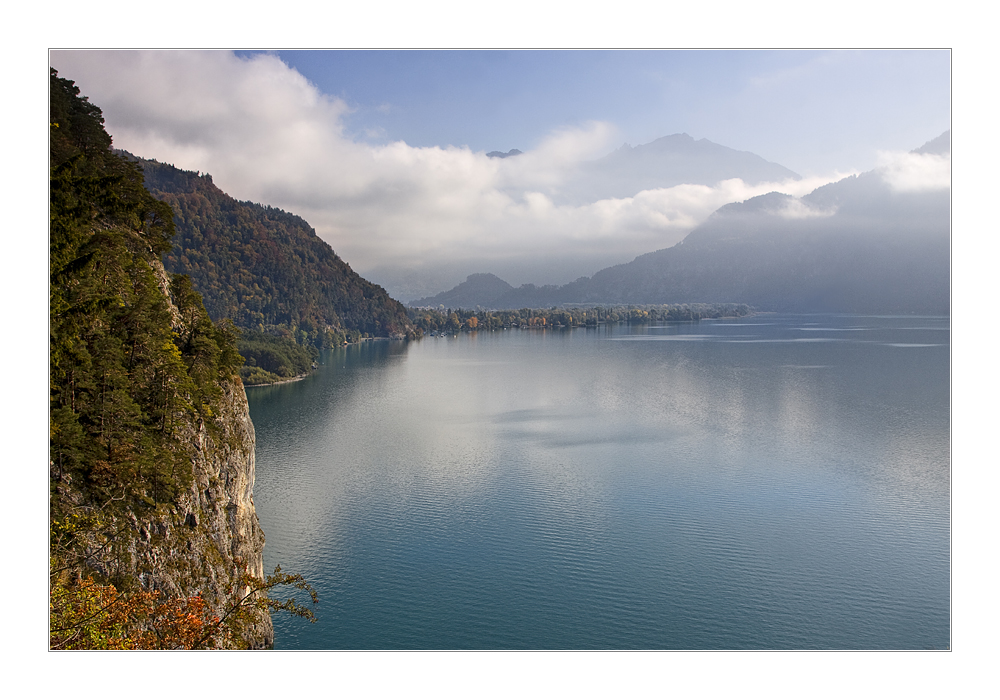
773,482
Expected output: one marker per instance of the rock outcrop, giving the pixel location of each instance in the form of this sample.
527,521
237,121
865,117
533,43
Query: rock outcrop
151,452
208,536
201,544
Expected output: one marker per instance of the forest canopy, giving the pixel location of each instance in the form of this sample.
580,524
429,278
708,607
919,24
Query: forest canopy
266,269
454,320
122,367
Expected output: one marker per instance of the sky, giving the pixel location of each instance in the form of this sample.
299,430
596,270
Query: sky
812,111
384,152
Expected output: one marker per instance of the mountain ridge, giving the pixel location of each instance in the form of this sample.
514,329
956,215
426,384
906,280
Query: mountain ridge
478,289
261,266
677,159
624,173
853,245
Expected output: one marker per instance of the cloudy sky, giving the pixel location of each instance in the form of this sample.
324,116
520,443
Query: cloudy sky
384,152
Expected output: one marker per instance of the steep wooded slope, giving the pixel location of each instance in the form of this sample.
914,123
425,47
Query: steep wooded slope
261,266
153,530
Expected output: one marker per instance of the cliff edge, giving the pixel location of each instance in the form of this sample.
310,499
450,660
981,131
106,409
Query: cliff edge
154,539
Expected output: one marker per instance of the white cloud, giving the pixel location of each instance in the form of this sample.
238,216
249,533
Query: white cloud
797,209
915,172
267,135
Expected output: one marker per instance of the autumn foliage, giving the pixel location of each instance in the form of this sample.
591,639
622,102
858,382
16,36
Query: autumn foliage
92,616
88,615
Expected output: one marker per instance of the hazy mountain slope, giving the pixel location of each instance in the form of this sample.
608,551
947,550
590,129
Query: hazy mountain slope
260,265
881,251
664,163
856,245
853,245
938,146
477,290
667,162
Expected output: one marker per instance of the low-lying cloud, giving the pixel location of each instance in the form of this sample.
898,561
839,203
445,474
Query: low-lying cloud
915,172
268,135
797,209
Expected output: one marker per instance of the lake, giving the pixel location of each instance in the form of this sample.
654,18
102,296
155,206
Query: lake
770,482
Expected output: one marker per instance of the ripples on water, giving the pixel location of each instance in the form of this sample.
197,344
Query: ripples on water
748,487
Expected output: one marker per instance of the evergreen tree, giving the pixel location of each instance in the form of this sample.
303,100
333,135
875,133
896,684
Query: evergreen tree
134,357
265,268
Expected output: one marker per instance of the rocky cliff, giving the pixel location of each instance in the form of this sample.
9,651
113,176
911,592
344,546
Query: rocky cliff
154,540
201,542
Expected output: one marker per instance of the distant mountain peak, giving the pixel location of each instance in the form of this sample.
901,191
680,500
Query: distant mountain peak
484,277
770,202
853,246
666,162
478,289
501,154
938,146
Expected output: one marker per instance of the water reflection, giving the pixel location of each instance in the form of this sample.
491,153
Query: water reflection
562,489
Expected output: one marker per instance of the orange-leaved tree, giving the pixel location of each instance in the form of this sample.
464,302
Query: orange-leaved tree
88,615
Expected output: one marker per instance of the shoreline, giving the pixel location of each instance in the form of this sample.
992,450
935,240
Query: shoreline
280,381
303,376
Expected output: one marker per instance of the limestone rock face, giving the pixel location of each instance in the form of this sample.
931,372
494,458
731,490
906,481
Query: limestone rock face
201,544
211,534
208,536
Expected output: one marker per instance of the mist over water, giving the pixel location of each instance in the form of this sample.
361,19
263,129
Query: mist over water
772,482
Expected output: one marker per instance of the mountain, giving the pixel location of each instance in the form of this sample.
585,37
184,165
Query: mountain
154,539
477,290
261,266
863,244
939,146
852,246
501,154
666,162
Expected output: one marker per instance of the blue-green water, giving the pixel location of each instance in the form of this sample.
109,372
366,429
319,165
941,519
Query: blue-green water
772,482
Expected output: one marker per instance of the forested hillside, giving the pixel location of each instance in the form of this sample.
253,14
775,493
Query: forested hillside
477,290
122,367
154,540
447,321
263,267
